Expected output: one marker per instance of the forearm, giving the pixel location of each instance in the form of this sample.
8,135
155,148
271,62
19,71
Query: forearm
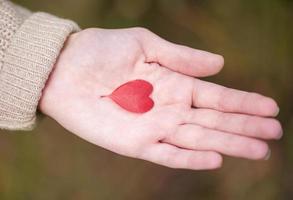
29,46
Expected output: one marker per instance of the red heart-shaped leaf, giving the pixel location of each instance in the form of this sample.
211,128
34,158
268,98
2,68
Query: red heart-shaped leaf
134,96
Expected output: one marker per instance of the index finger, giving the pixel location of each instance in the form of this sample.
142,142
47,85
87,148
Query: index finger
210,95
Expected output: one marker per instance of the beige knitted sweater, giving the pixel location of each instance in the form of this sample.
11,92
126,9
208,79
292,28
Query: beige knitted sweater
29,46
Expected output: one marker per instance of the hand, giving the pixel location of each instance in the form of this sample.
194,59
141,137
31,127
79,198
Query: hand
192,123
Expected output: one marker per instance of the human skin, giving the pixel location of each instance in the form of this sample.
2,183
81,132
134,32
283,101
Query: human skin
193,122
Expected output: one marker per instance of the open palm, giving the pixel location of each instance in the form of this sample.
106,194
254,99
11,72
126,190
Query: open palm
192,122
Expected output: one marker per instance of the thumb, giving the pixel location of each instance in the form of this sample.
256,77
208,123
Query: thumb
179,58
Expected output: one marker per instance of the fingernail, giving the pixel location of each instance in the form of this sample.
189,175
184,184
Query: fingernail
268,155
280,134
277,111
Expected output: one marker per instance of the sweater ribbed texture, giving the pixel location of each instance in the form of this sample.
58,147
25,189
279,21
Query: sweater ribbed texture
29,46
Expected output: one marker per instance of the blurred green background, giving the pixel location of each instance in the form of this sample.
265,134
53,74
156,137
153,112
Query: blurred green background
255,38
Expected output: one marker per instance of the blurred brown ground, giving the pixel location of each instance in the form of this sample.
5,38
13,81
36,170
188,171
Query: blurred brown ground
256,39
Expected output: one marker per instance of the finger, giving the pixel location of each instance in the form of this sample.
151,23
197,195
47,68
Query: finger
179,58
252,126
209,95
174,157
203,139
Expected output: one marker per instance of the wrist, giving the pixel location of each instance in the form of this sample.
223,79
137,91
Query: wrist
49,97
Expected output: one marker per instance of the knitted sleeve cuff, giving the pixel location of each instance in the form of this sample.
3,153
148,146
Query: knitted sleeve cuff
27,63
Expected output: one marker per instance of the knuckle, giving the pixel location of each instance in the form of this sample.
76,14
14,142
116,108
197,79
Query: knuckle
246,124
223,99
219,119
141,31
